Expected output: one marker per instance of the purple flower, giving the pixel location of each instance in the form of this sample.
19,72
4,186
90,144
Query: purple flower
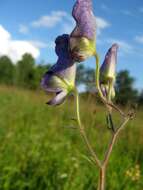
60,78
108,70
85,20
82,39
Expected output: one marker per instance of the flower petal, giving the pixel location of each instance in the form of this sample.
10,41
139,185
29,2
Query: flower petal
52,83
65,67
82,38
105,89
108,68
62,45
81,48
61,76
58,99
85,20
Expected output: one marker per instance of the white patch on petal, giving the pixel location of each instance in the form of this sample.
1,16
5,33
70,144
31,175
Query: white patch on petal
58,99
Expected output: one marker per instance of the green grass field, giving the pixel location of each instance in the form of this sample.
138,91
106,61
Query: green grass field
40,149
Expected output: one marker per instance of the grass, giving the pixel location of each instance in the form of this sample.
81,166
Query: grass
40,149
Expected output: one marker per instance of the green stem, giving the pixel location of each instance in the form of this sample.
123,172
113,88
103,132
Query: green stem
97,76
110,86
83,133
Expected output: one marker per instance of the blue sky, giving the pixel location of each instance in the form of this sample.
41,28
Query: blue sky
33,25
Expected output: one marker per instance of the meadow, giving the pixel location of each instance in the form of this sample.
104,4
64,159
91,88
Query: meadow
41,149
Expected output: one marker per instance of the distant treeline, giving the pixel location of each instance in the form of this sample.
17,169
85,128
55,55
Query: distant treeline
27,74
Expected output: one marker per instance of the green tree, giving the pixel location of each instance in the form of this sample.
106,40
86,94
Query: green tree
86,76
140,100
80,74
25,71
89,80
40,70
6,71
125,92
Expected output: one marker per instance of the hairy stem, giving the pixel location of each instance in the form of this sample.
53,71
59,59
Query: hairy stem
83,133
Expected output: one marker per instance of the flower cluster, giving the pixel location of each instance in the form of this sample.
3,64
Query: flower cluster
134,173
60,79
77,47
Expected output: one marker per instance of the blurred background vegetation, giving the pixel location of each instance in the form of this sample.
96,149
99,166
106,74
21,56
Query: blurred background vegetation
41,148
27,74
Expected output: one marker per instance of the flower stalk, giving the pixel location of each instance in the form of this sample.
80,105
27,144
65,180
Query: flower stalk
60,78
102,165
83,133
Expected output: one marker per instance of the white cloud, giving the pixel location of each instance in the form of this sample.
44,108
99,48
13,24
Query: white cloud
15,48
101,24
139,39
67,28
68,25
51,20
23,29
40,44
123,45
66,21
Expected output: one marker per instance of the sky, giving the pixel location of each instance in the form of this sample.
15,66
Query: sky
32,26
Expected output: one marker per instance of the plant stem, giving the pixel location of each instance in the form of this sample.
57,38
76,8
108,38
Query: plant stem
83,133
101,165
101,184
113,140
102,177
